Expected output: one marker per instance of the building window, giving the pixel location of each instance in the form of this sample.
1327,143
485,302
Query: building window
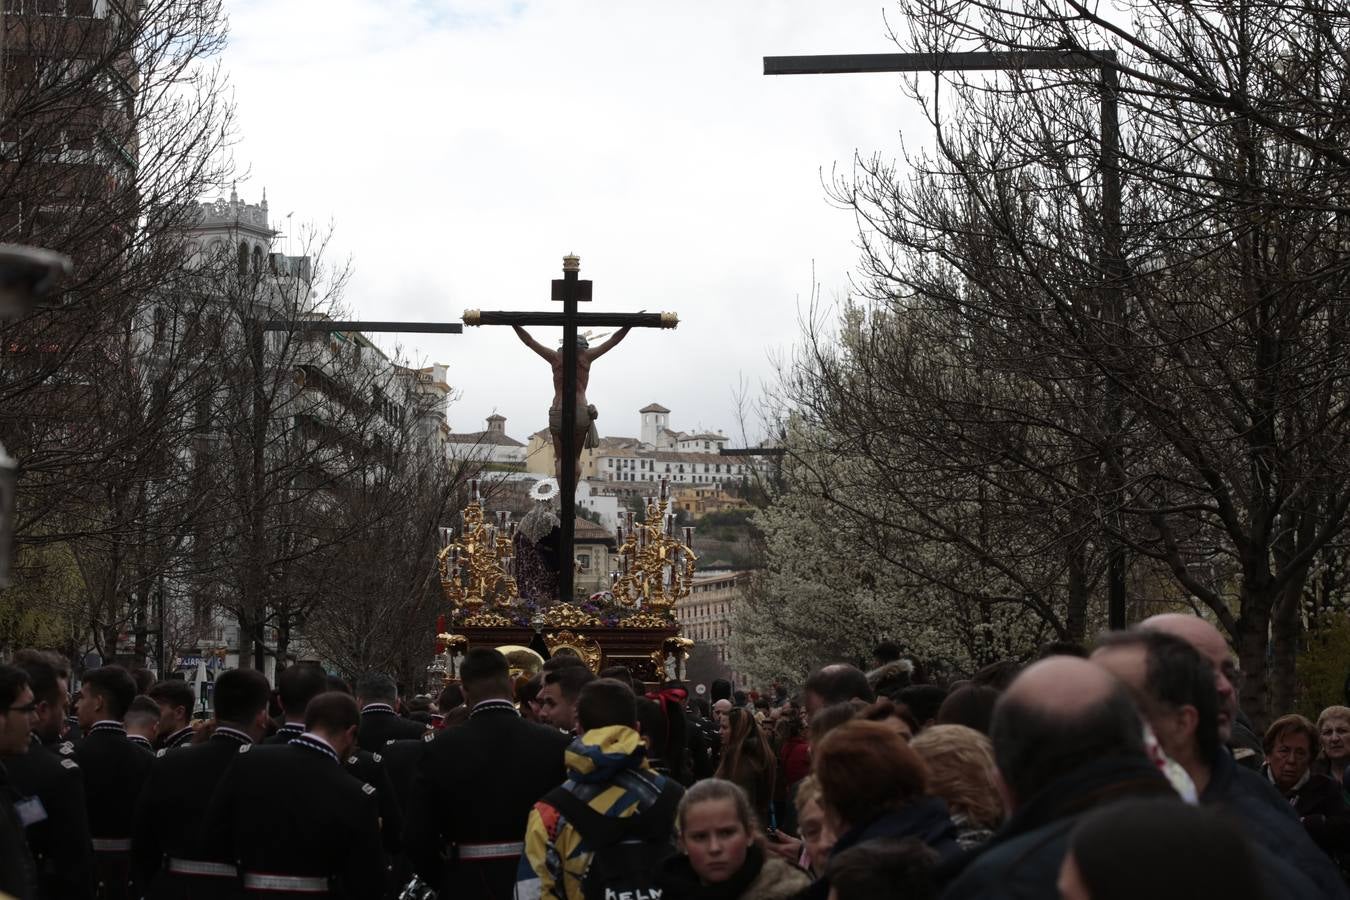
584,559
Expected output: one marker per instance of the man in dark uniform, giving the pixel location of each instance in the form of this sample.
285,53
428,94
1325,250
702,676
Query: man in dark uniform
17,712
301,683
294,822
475,787
171,858
142,720
114,772
176,700
380,722
52,691
59,836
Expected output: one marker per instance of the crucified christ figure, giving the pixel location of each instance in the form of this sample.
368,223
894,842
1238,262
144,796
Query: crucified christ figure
586,435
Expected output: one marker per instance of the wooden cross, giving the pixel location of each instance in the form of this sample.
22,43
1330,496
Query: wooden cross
570,290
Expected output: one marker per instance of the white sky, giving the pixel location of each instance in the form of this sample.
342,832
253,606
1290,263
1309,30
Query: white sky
460,148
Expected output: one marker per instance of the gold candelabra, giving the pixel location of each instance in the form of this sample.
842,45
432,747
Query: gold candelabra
477,566
656,569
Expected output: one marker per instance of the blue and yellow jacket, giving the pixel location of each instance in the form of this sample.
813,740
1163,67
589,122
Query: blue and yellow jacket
607,768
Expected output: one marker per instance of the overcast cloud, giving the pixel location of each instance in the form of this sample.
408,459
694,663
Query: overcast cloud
461,147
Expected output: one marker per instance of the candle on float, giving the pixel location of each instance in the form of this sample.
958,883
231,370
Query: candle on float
665,489
689,536
618,535
473,490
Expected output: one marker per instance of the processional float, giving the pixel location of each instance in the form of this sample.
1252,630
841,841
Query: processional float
500,595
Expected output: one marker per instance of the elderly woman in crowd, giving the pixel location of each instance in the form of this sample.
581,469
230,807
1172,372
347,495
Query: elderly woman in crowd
960,764
1290,743
874,787
1333,732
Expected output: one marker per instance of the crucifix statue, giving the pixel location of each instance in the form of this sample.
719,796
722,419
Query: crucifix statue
584,435
571,418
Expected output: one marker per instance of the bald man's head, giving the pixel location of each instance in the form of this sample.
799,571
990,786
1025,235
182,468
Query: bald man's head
1065,683
1057,716
1210,643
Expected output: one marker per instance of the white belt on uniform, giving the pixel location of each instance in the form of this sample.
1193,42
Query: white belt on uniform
112,845
490,851
298,884
202,867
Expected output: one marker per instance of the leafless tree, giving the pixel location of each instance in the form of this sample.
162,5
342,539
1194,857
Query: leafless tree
114,121
1019,399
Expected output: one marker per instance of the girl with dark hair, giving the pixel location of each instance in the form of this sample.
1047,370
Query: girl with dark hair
748,760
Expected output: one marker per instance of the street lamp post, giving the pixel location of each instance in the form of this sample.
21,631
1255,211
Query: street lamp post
1111,260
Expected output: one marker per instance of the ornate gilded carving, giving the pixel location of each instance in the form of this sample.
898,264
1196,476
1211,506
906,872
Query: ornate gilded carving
647,620
488,620
569,641
656,569
478,568
565,615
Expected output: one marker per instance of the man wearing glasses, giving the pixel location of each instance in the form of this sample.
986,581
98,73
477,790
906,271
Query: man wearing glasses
17,710
49,775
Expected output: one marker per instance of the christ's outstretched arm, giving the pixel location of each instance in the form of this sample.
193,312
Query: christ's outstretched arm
533,344
611,343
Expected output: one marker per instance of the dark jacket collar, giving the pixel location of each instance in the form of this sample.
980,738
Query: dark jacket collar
925,819
382,708
490,707
291,729
179,738
231,735
108,726
311,744
1094,784
679,881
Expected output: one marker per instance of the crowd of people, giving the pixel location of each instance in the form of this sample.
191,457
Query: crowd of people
1124,770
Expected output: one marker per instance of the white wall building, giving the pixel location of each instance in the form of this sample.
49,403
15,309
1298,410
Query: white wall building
492,447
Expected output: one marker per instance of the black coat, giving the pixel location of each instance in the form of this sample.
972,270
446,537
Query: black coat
401,759
115,770
283,735
380,725
292,810
1022,861
476,784
367,768
17,874
926,820
60,842
169,818
1270,822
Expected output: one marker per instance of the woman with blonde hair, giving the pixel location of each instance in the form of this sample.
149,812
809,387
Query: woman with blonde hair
748,761
961,771
720,857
